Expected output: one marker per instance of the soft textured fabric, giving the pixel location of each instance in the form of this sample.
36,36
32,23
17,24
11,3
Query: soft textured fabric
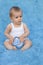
17,43
17,31
33,17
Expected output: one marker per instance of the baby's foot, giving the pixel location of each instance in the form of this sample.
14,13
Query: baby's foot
14,48
22,49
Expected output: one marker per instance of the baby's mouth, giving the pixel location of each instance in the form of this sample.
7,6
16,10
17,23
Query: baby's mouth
19,21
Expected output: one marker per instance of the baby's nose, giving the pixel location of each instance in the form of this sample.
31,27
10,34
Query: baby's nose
19,18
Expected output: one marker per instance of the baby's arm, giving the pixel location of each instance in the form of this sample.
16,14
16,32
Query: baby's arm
26,33
7,31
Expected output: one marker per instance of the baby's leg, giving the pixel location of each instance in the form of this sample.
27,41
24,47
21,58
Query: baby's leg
27,44
8,45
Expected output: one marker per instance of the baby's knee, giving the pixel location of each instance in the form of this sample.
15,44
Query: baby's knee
5,43
30,43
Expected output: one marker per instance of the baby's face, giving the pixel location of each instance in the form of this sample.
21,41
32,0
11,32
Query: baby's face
17,17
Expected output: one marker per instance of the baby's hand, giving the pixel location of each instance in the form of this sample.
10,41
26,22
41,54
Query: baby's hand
21,38
11,39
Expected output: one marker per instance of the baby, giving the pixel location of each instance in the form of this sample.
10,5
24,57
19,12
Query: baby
17,29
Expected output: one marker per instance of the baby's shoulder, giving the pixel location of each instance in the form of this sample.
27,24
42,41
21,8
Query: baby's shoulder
9,25
24,24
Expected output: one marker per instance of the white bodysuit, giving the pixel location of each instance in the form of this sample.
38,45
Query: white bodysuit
17,31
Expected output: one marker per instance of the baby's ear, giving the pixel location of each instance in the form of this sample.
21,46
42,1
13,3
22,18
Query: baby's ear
11,18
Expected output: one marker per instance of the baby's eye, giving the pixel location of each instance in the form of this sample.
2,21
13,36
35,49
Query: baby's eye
20,16
16,17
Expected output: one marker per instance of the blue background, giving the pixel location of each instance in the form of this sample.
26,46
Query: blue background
33,17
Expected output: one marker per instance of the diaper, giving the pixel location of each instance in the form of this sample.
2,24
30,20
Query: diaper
17,42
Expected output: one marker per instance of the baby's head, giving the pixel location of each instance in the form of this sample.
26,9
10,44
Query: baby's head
16,15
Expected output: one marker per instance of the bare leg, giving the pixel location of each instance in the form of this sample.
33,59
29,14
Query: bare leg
27,45
9,46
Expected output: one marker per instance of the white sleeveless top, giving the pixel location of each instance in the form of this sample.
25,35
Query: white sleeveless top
17,31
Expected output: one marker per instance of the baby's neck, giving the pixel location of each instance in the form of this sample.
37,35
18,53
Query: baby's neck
17,25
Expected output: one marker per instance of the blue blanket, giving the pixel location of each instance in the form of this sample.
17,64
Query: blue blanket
33,17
